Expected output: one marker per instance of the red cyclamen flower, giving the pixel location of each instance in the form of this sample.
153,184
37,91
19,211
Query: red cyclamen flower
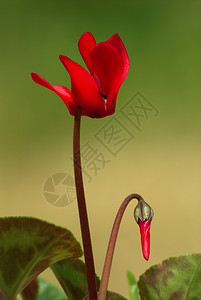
95,92
145,237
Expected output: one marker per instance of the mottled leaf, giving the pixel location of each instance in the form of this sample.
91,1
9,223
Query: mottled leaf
133,289
47,291
175,278
27,247
71,274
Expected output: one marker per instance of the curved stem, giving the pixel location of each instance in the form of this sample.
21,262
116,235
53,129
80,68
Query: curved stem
88,254
112,242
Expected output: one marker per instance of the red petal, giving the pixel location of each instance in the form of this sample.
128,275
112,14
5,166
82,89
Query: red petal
117,43
85,45
108,63
84,89
145,237
108,67
63,92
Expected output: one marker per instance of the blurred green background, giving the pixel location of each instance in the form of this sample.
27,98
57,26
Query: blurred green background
162,163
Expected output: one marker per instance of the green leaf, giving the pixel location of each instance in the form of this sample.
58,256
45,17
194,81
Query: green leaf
175,278
40,289
47,291
133,289
27,247
71,273
110,296
114,296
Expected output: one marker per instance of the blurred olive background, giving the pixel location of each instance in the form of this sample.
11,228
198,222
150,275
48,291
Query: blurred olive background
162,163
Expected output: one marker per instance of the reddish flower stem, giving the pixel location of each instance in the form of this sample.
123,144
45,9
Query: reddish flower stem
84,224
112,242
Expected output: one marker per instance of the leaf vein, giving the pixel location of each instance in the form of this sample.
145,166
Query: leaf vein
188,290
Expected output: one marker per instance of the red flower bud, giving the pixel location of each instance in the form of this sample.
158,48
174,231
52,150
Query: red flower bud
143,214
145,237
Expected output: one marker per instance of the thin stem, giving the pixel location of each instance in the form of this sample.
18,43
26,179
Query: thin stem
86,239
112,242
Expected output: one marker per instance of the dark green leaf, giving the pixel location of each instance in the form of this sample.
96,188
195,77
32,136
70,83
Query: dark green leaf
114,296
175,278
27,247
47,291
110,296
133,289
31,290
71,274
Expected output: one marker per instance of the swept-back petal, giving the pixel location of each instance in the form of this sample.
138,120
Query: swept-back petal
63,92
108,67
86,45
84,89
117,43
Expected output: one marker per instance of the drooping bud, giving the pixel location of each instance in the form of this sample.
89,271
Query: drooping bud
143,214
